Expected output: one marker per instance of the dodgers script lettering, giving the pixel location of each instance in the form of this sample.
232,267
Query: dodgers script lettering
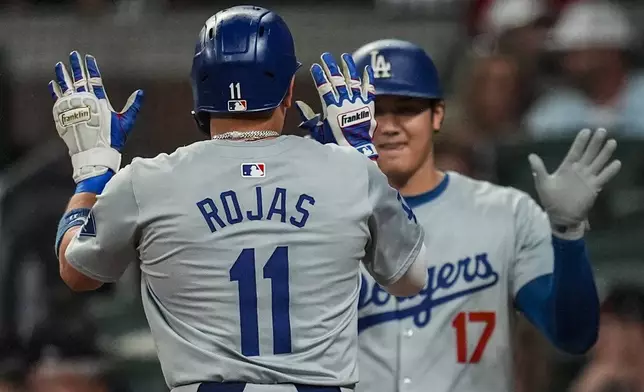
445,283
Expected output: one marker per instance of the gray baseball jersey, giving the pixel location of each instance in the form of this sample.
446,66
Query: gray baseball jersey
250,255
486,243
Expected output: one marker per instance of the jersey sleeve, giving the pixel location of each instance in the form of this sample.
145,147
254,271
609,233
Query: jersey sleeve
396,237
533,243
106,244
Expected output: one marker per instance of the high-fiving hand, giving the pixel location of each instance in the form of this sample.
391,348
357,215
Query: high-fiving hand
92,130
347,105
570,192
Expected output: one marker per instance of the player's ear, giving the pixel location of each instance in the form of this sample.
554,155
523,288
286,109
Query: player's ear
438,115
288,99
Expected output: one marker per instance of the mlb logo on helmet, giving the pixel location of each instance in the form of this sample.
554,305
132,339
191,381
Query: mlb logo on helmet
237,105
253,170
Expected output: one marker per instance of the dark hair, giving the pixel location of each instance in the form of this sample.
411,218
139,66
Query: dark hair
626,302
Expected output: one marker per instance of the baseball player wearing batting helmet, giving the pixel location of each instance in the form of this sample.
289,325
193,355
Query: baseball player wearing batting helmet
498,251
250,263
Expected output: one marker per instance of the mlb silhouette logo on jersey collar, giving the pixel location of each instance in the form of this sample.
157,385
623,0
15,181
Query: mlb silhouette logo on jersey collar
253,170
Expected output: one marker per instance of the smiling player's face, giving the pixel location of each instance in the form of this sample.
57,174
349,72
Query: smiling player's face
403,137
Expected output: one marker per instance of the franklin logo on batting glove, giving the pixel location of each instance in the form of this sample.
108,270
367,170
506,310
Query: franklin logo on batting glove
92,130
75,116
347,106
354,118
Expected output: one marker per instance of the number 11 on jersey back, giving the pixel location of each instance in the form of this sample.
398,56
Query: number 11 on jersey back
275,269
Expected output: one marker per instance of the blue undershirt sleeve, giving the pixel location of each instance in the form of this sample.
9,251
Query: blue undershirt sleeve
564,305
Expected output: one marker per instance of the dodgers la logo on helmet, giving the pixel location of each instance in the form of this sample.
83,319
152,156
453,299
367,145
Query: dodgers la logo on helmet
400,68
381,67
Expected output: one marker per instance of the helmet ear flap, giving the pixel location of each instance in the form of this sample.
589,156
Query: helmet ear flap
203,121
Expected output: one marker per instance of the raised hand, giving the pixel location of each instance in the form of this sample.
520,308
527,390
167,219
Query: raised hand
92,130
570,192
347,105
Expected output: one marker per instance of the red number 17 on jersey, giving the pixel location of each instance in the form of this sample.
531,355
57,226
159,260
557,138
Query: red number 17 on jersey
460,323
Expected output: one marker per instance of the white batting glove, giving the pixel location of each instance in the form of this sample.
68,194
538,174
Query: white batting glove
92,130
347,105
570,192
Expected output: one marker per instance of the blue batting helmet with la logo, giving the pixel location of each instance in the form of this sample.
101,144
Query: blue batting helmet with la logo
400,68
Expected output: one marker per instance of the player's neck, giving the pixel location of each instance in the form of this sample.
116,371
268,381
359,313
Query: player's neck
426,178
220,126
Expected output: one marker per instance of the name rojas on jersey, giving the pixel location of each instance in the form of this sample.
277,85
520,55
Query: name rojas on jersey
229,210
445,283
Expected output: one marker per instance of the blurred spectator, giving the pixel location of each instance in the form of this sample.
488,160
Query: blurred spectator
591,41
516,27
86,7
531,358
493,98
454,156
487,110
487,16
13,364
519,28
8,150
617,363
497,77
65,357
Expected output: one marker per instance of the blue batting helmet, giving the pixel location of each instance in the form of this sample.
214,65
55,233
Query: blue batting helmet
400,68
244,62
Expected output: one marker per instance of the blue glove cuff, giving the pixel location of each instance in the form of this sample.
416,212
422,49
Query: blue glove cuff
94,184
75,217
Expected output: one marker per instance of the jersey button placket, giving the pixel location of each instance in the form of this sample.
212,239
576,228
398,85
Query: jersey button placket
407,331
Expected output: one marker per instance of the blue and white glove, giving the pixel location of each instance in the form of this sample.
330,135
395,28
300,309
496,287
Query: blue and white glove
92,130
569,193
347,106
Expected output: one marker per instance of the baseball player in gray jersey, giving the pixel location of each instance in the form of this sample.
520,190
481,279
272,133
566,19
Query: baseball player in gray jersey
250,244
494,250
